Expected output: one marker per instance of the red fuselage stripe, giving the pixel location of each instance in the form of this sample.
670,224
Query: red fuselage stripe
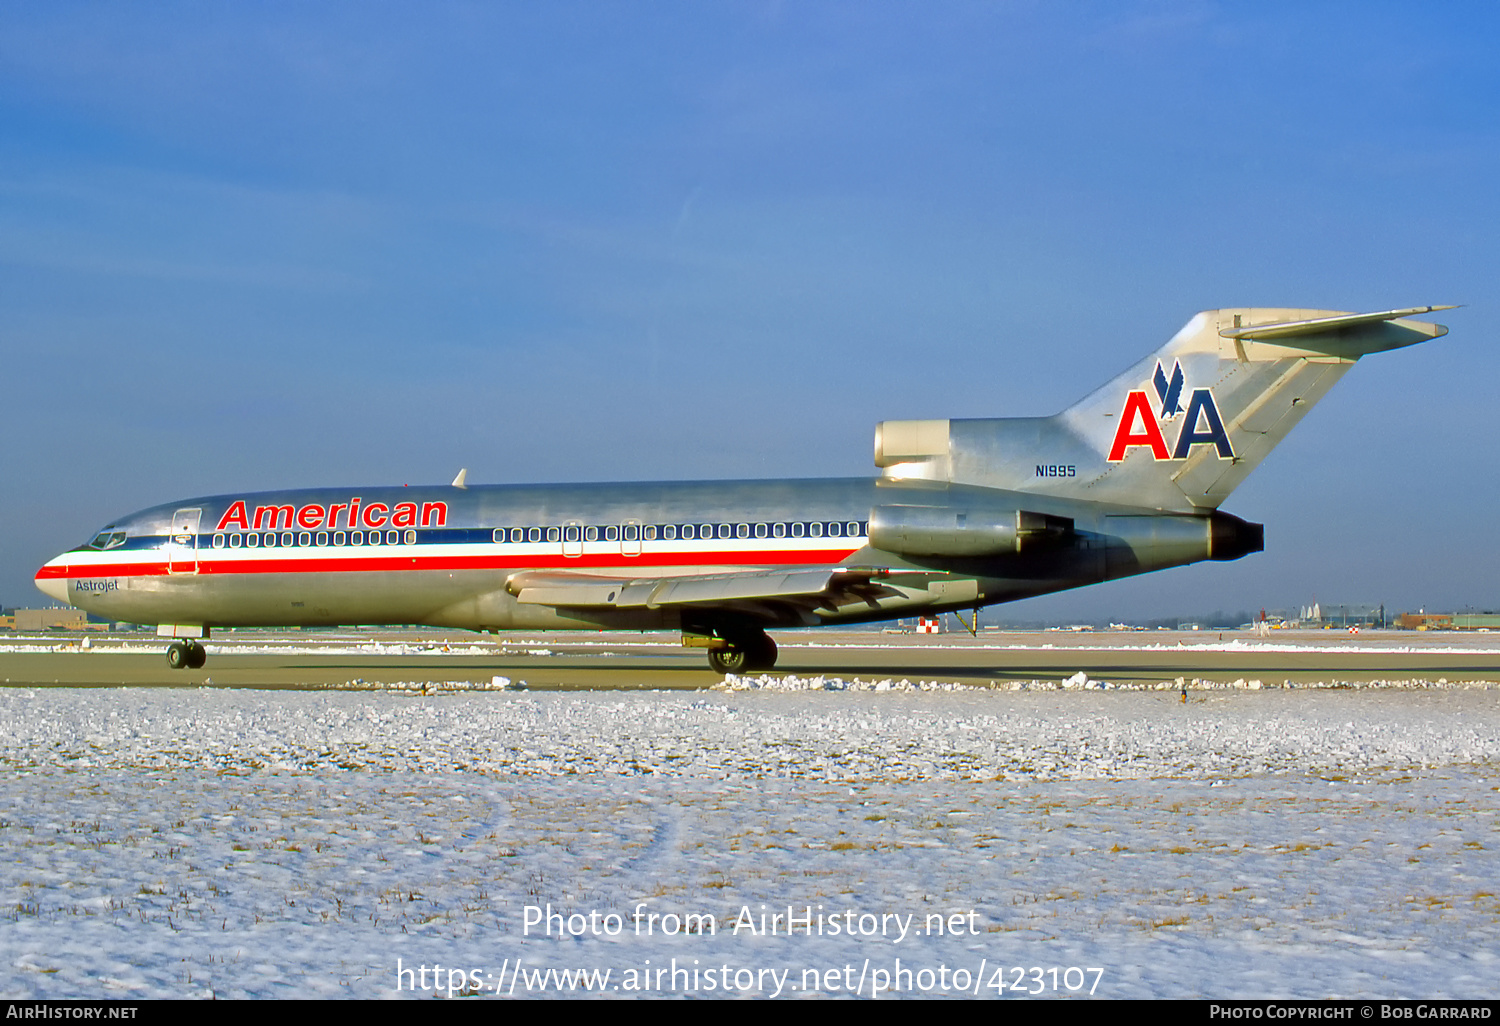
207,565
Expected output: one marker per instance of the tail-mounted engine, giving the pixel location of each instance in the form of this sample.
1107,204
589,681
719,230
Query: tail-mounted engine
954,532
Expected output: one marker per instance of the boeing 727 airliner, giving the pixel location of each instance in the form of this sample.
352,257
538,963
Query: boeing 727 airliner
965,514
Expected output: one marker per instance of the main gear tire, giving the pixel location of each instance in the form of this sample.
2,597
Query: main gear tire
730,659
742,654
761,655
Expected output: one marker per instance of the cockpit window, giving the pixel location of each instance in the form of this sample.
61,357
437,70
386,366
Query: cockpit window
108,539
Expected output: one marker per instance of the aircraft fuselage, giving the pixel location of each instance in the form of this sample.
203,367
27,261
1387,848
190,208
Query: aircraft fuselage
443,556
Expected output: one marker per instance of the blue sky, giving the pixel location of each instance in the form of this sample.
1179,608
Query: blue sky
249,246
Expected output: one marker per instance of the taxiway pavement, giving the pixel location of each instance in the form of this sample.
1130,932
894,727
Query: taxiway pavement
578,660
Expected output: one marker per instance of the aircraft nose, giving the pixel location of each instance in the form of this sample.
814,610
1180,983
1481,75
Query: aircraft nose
56,587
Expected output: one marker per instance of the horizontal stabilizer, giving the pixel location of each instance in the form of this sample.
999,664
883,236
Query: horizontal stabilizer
1319,325
1340,336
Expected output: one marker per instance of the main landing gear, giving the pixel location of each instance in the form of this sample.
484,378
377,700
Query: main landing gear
743,652
186,655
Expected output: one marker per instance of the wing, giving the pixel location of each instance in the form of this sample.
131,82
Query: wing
798,591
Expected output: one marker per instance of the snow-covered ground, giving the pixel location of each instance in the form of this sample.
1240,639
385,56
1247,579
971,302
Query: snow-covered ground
170,843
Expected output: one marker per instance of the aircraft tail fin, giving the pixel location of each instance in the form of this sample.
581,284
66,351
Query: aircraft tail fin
1180,429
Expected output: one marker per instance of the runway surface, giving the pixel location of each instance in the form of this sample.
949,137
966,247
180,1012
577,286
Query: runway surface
657,661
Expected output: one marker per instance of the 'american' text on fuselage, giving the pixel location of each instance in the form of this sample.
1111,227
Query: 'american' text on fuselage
314,515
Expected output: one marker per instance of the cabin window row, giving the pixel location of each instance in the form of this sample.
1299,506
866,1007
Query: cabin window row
686,532
295,539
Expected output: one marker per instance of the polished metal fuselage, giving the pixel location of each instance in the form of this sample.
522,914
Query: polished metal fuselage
445,567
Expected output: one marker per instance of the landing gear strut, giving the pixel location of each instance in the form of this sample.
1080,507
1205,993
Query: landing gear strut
186,655
754,651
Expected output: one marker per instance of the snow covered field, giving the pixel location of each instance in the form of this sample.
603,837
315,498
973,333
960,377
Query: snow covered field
172,843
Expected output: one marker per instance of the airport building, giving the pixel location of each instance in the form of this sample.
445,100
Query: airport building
1346,614
1449,621
50,620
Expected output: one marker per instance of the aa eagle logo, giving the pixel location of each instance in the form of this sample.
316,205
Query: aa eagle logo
1141,427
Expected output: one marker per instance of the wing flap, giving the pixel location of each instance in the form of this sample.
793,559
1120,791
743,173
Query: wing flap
564,588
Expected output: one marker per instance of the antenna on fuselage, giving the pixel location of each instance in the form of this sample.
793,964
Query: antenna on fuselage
458,482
